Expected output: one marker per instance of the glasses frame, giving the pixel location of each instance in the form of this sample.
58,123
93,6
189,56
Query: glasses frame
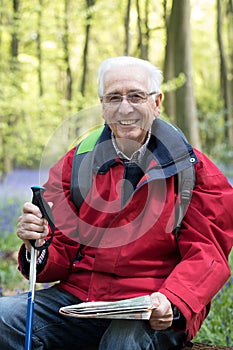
117,103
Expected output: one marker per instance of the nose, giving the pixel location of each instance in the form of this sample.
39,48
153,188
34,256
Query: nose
125,107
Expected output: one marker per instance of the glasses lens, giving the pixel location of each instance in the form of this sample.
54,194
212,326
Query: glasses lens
112,98
134,97
137,97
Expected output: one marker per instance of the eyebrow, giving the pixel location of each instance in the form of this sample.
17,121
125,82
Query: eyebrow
128,91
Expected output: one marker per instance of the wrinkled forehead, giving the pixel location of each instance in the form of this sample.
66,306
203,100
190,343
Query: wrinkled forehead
130,77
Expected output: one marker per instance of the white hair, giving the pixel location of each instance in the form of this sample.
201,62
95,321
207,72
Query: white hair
154,74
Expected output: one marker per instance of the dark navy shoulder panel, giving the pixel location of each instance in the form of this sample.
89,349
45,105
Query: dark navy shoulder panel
169,150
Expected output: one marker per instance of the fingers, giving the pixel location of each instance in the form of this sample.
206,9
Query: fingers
31,225
160,323
162,315
29,207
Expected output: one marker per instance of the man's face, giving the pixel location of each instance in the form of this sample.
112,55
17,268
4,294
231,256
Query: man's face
129,121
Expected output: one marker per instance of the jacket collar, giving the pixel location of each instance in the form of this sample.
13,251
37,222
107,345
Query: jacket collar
168,151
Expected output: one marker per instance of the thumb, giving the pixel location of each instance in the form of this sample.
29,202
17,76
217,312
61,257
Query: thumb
155,300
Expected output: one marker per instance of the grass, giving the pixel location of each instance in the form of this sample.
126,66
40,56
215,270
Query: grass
11,280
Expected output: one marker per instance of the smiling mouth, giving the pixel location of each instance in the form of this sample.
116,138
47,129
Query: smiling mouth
128,122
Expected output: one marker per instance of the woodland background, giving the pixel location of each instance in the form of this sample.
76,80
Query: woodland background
50,52
49,56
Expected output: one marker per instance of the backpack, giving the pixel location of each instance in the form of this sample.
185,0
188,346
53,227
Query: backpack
84,155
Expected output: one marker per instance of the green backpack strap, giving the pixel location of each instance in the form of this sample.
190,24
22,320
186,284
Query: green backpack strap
81,178
88,144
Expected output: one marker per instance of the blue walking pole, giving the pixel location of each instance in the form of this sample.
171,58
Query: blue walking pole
31,295
38,200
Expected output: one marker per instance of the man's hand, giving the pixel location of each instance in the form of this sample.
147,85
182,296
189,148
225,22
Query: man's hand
31,225
162,315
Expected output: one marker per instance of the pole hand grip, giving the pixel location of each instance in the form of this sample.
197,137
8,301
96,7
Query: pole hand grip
46,212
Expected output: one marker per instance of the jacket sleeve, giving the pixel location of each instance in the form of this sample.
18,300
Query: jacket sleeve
205,243
63,250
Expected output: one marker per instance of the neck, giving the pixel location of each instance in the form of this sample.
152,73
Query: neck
128,146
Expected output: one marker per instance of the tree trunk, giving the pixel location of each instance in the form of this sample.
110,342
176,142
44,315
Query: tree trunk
143,30
9,118
39,51
140,34
145,53
230,68
14,37
186,113
169,68
67,53
89,4
223,69
127,31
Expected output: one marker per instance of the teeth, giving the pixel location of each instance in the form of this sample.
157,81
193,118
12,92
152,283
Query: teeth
128,122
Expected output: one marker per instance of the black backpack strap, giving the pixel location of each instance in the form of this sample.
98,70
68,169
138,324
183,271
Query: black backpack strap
186,183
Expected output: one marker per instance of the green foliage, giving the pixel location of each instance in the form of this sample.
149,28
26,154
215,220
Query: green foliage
30,113
10,277
174,84
9,211
11,281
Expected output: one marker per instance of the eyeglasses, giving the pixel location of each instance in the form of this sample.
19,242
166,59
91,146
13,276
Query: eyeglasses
134,97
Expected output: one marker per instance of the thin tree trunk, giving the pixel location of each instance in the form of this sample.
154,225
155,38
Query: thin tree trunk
143,30
89,4
169,68
147,31
140,35
39,51
11,119
127,31
223,69
67,53
14,37
230,75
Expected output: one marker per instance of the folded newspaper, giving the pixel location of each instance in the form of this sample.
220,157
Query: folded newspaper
133,308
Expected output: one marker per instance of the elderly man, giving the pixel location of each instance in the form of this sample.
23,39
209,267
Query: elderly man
115,200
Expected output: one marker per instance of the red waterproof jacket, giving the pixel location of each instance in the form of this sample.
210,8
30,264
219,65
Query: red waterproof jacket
111,251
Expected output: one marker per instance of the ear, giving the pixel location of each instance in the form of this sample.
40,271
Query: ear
158,103
103,110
